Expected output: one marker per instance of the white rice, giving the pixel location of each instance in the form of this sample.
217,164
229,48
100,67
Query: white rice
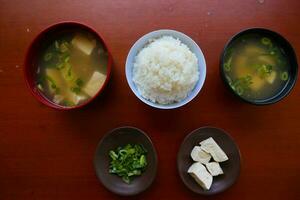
165,71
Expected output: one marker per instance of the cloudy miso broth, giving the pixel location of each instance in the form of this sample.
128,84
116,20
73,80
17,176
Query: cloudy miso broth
256,68
72,68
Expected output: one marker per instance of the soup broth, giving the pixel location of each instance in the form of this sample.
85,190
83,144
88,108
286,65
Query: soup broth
256,68
72,68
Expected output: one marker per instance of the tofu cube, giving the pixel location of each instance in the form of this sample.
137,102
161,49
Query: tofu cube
271,78
199,155
84,44
74,98
201,175
58,98
257,83
210,146
56,77
79,99
214,168
94,84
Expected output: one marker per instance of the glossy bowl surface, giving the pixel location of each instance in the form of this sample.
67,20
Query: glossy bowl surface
286,47
40,42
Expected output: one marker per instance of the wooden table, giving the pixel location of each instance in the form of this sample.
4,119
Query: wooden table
47,154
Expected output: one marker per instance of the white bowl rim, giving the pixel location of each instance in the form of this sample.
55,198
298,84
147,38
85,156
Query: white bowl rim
196,88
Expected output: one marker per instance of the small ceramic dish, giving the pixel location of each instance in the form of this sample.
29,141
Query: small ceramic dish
40,43
231,167
142,42
120,137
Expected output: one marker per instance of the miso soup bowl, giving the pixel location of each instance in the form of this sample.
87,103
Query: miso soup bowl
142,42
39,43
287,48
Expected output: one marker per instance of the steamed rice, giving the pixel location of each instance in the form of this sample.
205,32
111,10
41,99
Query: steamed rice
165,71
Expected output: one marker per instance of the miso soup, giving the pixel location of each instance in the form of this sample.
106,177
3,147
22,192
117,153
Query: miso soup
72,68
256,67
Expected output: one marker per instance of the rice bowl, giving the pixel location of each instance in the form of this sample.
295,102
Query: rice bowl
169,100
165,70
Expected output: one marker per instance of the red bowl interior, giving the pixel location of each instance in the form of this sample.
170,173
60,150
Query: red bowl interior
42,40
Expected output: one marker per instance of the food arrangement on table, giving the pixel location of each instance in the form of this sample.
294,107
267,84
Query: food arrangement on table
68,65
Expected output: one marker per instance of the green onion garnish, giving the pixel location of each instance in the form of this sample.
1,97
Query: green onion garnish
128,161
284,76
266,41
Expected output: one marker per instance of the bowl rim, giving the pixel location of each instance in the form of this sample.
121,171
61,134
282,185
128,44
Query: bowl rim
285,91
151,180
239,154
36,38
177,104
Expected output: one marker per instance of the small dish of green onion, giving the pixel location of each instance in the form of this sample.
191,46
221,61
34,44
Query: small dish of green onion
128,161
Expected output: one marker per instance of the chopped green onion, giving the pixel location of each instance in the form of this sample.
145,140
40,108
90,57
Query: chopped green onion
239,90
128,161
248,79
113,155
135,173
284,76
273,51
264,70
143,161
68,103
48,56
242,84
60,66
64,47
79,82
76,90
53,84
67,59
227,65
232,86
68,74
266,41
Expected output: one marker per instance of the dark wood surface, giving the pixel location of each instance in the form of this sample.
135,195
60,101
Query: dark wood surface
47,154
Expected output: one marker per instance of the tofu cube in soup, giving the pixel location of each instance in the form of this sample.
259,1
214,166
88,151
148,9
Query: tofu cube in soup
54,80
84,44
257,84
201,175
94,84
210,146
76,98
58,98
270,79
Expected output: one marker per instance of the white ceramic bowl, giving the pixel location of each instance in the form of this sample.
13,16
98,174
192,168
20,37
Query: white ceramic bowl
184,39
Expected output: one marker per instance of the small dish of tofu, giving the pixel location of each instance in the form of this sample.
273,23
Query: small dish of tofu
203,170
208,161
